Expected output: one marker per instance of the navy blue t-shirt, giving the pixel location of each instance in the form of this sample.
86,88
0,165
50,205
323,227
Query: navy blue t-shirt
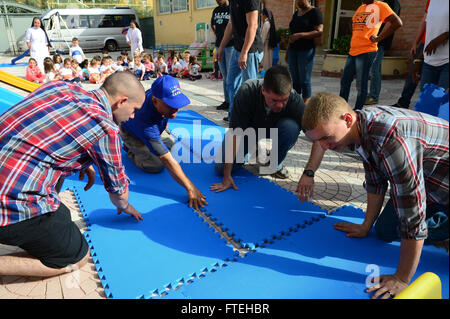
147,125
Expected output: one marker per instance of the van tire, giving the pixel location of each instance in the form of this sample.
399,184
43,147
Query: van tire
111,45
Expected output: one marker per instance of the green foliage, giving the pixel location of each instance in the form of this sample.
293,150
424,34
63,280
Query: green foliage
283,33
283,37
341,45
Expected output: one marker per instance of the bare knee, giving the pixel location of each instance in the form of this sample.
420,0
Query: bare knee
81,263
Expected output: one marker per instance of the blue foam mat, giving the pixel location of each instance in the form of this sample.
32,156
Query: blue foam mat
260,210
311,254
199,134
317,262
10,65
8,99
170,245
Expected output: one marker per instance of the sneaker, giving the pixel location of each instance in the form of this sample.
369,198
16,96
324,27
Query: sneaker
370,101
398,105
223,106
283,173
226,119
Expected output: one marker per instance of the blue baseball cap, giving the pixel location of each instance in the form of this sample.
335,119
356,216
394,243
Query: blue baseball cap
167,89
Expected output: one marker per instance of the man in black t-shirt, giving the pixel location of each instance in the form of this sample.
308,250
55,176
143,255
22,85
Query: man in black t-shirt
219,22
245,29
262,109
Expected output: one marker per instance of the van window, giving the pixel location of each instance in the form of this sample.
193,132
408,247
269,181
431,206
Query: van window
95,21
83,22
111,21
75,22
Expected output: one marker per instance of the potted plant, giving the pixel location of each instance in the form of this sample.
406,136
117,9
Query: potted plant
341,45
334,59
283,35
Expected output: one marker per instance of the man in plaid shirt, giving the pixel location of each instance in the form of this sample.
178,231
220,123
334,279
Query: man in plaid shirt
57,130
405,149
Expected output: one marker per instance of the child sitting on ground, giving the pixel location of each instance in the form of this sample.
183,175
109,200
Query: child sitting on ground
138,68
33,73
185,64
50,73
176,69
149,67
94,72
67,72
119,65
84,70
105,68
57,62
194,69
171,54
124,55
162,67
76,70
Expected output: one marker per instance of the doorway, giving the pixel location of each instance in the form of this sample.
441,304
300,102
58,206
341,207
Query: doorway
343,14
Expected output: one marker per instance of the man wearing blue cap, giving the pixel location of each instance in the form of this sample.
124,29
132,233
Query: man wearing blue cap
145,140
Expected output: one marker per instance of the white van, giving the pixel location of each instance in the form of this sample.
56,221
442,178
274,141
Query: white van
95,28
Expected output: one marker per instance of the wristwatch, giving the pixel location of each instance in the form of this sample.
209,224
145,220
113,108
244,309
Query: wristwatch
308,172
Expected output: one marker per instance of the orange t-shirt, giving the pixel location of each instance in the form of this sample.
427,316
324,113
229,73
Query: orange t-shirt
366,22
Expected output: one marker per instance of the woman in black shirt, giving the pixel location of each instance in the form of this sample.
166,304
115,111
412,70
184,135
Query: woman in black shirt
306,26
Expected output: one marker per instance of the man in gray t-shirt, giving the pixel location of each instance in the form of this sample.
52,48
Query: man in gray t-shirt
267,108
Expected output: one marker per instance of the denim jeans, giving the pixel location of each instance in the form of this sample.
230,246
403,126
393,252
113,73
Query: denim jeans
358,65
287,135
223,66
386,226
375,72
410,87
434,74
236,76
301,65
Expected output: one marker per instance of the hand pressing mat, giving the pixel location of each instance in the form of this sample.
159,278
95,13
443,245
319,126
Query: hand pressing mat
255,214
316,262
141,259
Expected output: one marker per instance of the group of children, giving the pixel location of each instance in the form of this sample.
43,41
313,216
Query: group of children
145,66
77,68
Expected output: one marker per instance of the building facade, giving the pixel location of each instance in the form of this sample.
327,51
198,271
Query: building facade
337,16
176,20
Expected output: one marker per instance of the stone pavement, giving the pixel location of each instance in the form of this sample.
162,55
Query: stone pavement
338,182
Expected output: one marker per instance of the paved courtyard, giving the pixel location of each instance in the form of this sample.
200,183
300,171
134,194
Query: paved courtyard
338,182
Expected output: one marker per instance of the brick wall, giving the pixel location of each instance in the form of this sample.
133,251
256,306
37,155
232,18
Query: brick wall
282,11
411,14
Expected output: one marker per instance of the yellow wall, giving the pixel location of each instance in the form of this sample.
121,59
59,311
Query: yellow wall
179,28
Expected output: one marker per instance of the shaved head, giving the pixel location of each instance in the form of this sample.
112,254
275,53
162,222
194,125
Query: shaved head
125,95
123,84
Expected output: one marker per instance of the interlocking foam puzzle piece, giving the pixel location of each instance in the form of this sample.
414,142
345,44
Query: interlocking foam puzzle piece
143,259
260,211
316,262
443,111
8,99
431,99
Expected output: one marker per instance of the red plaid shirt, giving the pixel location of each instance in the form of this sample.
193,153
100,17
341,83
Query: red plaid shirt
410,151
57,130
